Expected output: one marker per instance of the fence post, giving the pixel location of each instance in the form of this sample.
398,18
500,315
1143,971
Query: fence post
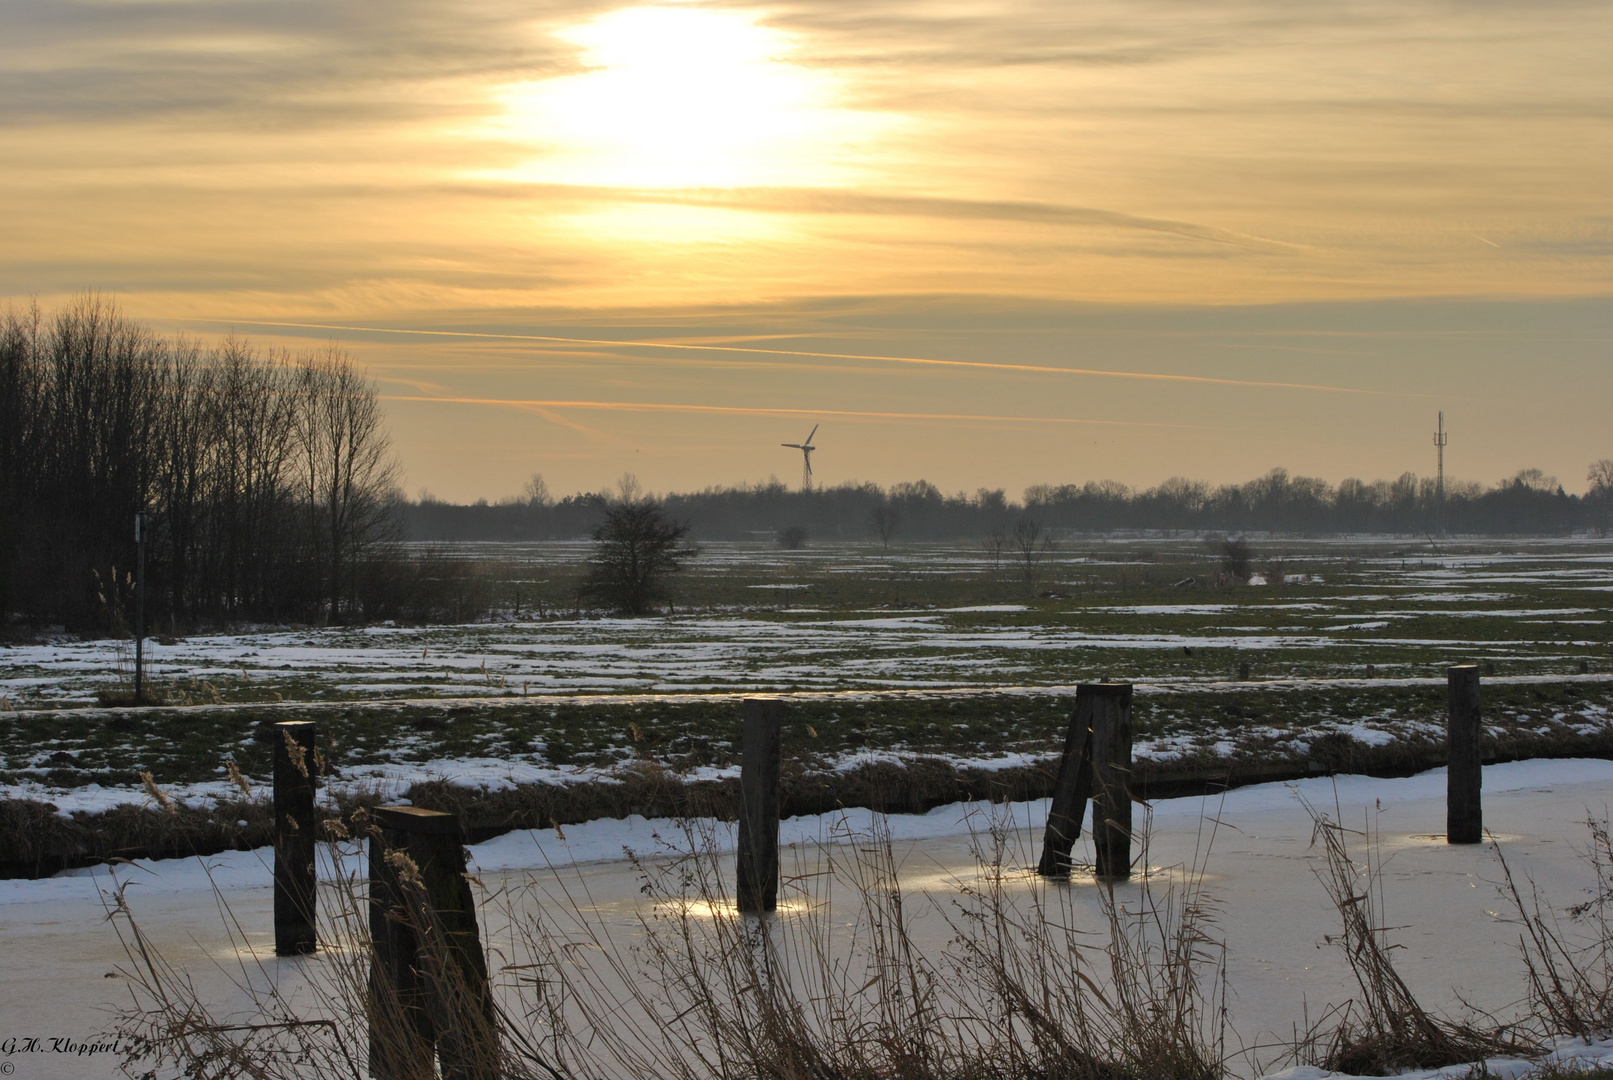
1070,791
1111,779
296,778
758,868
1243,671
1464,815
428,977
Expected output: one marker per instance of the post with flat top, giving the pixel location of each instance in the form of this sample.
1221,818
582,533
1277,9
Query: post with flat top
428,975
296,779
140,609
1464,815
757,872
1111,780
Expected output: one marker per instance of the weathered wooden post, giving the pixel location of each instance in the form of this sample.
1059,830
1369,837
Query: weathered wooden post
296,778
758,870
1111,780
428,977
1096,765
1464,815
1070,791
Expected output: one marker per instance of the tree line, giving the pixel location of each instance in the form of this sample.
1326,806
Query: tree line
266,477
1529,503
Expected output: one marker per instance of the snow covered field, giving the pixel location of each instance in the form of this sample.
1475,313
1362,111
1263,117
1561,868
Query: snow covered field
1354,647
1532,608
1459,941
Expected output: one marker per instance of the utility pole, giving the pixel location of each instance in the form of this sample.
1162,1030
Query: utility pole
140,609
1439,484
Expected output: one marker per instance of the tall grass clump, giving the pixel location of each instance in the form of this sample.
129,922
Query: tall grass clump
1569,966
833,987
1386,1029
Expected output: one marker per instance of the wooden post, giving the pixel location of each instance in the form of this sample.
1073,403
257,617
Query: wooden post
296,778
1070,791
1464,816
1111,779
1243,671
758,869
428,976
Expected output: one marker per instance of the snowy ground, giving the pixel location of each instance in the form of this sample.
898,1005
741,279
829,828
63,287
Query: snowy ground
1458,938
1530,607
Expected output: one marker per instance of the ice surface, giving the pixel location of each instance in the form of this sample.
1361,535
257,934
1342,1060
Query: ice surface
1272,913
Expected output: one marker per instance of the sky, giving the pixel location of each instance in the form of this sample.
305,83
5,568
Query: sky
986,244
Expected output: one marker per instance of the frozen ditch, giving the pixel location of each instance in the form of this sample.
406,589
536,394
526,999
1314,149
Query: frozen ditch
1459,943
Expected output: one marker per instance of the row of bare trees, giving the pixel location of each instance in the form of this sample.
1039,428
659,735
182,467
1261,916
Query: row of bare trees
267,477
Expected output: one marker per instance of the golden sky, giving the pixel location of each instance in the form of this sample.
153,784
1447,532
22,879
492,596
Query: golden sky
989,244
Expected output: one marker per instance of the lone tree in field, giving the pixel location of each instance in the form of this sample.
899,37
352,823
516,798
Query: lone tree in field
635,548
1031,542
885,520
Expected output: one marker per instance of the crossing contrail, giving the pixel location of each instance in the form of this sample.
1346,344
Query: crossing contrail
659,406
984,365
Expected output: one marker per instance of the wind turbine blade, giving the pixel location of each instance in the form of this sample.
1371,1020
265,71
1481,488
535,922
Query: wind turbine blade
814,432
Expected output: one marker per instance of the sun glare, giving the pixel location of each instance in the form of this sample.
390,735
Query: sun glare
683,97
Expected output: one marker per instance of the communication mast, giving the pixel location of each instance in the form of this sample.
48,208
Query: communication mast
1440,438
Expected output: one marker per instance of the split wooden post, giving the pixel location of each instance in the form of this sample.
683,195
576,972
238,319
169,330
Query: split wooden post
428,976
758,870
1464,815
1111,780
1070,791
1096,765
296,778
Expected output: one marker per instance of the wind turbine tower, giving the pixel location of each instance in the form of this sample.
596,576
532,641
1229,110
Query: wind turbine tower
806,449
1440,438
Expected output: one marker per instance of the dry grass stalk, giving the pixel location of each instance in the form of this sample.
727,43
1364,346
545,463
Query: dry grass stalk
237,777
834,988
1147,999
1570,976
1386,1030
157,794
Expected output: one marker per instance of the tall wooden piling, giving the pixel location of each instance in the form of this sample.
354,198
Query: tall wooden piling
296,778
1096,765
428,976
1464,816
758,871
1111,779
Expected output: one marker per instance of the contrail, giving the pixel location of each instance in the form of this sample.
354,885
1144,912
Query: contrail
658,406
976,364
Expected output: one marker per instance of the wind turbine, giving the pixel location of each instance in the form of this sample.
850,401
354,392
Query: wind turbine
806,449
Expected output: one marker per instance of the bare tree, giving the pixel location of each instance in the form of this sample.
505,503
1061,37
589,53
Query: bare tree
1601,477
535,491
1031,542
885,519
349,473
636,547
994,544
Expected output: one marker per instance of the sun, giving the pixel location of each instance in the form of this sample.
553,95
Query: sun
682,96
